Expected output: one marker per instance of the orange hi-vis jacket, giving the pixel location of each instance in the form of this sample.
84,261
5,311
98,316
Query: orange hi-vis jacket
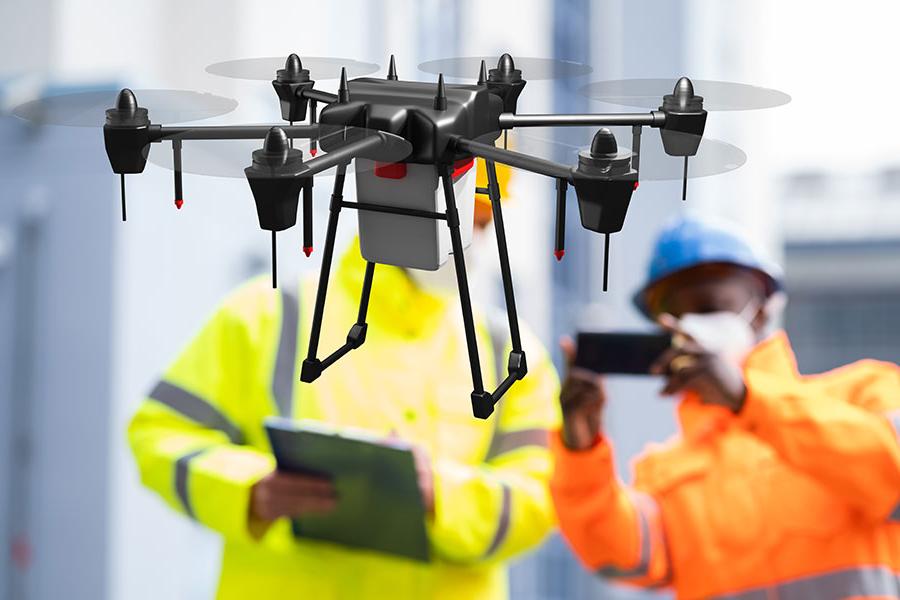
797,497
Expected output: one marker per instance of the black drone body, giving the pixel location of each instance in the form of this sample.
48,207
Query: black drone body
410,124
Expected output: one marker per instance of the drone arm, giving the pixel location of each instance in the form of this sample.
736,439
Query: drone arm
371,145
651,119
515,159
319,95
233,132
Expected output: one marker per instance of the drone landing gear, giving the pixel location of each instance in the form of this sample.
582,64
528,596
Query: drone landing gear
483,401
312,367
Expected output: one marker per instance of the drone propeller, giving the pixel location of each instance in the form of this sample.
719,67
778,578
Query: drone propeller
531,68
93,109
265,68
714,157
606,174
717,95
88,109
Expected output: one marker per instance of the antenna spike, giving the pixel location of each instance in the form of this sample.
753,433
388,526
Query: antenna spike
344,87
392,70
482,73
440,98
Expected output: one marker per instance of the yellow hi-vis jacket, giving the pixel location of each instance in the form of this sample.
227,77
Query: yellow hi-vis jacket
200,444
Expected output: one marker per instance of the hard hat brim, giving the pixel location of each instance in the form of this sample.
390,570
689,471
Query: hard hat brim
773,283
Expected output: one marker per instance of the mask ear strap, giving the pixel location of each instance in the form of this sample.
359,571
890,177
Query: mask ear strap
751,310
774,305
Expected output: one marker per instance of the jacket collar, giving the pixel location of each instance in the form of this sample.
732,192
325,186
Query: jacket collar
772,355
396,304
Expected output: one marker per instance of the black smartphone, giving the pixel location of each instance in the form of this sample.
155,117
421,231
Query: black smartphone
621,352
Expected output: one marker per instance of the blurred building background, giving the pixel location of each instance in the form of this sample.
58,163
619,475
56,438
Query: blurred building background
91,308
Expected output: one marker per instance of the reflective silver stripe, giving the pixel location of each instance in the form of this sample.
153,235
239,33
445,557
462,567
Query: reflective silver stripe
181,480
503,521
643,567
286,357
837,585
507,441
894,419
196,409
895,516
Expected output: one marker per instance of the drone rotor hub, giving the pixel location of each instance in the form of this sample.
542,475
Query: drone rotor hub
604,144
506,71
126,102
604,158
682,99
293,71
276,153
127,113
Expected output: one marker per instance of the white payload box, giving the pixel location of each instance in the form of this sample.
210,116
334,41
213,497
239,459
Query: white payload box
407,241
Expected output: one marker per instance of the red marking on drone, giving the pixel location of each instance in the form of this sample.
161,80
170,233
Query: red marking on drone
390,170
636,184
460,167
20,552
313,151
307,250
179,203
559,254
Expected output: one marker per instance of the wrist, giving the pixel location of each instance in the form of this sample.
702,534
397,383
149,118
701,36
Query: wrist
740,399
579,436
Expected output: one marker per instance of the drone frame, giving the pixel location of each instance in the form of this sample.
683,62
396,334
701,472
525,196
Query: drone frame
603,180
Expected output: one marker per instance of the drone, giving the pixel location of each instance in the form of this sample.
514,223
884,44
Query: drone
413,145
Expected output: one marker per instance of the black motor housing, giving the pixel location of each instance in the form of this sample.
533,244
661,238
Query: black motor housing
274,183
685,120
127,134
604,182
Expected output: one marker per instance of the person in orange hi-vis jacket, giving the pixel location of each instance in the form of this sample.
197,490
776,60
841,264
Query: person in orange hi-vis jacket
778,485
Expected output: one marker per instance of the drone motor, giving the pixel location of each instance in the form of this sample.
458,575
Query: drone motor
685,121
126,134
604,182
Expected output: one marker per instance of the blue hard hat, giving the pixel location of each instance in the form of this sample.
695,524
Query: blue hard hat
689,241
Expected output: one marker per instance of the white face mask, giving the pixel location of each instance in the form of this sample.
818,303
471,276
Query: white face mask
725,333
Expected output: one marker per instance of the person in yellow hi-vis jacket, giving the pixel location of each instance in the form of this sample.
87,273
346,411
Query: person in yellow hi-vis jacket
199,440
